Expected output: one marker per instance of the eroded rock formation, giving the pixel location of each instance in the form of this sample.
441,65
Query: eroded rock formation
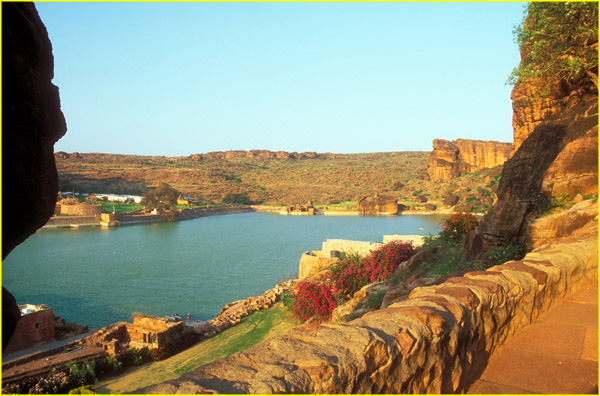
451,159
547,157
31,123
378,204
555,153
259,153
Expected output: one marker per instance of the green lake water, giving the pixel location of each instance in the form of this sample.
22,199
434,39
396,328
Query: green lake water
98,276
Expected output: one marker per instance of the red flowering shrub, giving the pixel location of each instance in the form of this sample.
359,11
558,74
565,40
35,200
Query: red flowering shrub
314,300
458,225
349,276
381,263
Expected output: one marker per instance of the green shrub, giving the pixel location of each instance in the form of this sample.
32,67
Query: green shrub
287,299
375,300
510,251
236,199
82,390
115,363
83,374
544,203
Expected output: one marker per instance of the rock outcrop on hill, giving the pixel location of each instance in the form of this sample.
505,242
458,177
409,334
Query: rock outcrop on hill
546,158
555,154
31,123
452,159
378,205
259,153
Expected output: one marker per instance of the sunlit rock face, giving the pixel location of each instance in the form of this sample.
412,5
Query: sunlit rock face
31,123
378,205
450,159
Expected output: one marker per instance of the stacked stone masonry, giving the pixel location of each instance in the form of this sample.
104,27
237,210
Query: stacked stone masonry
437,341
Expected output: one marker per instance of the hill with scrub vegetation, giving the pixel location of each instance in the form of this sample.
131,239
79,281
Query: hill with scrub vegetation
326,179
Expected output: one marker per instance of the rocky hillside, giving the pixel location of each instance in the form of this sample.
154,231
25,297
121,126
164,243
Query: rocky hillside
449,160
288,179
259,153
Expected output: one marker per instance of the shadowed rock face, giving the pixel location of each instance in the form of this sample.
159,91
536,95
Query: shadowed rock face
561,154
31,123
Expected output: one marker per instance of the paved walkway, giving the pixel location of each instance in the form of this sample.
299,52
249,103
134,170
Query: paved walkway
11,357
557,354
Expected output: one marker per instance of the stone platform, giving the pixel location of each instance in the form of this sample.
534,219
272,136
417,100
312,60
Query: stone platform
557,354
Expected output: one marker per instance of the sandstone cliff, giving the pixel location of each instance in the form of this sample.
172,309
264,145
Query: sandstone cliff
31,123
452,159
555,153
259,153
559,156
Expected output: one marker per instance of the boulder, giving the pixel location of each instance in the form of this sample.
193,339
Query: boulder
395,294
378,204
430,207
421,198
568,224
463,208
450,200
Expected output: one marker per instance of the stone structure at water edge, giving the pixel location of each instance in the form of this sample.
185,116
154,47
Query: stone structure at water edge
450,159
73,207
298,209
314,261
145,331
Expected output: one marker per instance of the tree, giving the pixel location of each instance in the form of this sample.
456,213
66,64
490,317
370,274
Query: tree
558,40
162,197
237,199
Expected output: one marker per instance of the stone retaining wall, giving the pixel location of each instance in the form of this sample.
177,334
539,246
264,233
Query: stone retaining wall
331,246
437,341
68,220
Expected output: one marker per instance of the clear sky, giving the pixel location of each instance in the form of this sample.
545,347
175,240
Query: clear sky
181,78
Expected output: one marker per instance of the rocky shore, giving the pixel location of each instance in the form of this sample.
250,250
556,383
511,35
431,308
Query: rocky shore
141,218
232,313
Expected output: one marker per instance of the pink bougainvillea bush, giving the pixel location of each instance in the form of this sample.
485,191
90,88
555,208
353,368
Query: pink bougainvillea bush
314,300
318,300
349,275
458,225
381,263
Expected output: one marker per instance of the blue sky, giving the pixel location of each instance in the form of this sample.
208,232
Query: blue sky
180,78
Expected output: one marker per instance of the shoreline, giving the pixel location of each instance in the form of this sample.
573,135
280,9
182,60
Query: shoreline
194,213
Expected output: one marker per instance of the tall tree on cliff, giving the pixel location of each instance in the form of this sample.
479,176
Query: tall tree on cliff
558,40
